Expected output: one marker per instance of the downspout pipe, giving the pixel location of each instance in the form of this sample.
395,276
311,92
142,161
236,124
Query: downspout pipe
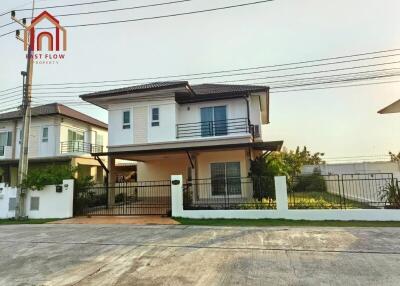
246,98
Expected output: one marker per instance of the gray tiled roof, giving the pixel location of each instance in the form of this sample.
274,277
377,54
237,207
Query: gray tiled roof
208,88
138,88
200,89
55,108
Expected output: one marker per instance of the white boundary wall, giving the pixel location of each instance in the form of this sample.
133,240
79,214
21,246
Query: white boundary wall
281,211
51,203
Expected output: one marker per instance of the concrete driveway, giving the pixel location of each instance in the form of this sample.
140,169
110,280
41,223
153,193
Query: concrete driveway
181,255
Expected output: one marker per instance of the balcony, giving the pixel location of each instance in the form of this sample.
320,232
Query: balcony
80,147
2,151
213,128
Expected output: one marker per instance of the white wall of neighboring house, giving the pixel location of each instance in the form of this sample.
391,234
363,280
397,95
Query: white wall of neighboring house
355,168
52,204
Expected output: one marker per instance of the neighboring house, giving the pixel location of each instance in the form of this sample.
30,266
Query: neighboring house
58,135
391,108
200,131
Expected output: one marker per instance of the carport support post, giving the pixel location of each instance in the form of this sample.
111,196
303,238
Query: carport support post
111,182
176,195
281,193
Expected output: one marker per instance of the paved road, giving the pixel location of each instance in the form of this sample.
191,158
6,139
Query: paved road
181,255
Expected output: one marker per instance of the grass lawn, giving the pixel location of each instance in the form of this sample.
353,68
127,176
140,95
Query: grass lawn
27,221
285,222
321,200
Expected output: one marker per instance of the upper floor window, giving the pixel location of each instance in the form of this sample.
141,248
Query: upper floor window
5,140
45,134
155,116
126,120
75,136
99,139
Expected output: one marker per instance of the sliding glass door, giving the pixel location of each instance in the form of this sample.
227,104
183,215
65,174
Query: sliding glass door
225,179
213,121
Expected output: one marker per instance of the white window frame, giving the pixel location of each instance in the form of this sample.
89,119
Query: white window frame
156,122
45,139
126,126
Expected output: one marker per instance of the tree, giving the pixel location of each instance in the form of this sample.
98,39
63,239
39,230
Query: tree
394,157
284,163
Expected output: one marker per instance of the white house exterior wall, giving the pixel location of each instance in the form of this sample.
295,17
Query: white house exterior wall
170,114
190,113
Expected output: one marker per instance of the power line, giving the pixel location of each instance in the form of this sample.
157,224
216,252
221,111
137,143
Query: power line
76,99
296,81
62,6
236,74
338,78
234,70
337,86
113,10
160,16
5,34
288,80
248,79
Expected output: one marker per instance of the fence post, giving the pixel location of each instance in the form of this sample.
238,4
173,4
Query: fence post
176,195
281,193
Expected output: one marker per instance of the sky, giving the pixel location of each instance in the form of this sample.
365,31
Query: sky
341,122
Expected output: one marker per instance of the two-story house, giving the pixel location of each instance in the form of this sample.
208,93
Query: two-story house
58,135
199,131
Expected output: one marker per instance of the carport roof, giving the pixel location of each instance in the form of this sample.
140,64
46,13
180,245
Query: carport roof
262,146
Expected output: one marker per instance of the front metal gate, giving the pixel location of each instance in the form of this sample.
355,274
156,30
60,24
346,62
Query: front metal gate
136,198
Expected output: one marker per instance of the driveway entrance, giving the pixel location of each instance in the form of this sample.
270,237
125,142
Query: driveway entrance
134,220
124,199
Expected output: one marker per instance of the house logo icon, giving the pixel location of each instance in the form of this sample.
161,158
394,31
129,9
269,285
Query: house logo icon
53,41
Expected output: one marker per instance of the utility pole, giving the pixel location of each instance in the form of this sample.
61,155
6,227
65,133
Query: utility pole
20,212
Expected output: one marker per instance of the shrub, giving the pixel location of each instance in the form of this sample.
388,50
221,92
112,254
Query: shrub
311,203
120,198
38,178
390,194
263,187
253,204
310,183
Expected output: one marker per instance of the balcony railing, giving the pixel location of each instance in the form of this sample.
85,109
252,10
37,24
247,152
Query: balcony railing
213,128
2,151
80,147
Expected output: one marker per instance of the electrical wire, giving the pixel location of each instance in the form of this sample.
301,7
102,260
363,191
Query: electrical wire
112,10
63,6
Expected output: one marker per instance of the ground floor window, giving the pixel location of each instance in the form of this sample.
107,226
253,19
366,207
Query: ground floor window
225,179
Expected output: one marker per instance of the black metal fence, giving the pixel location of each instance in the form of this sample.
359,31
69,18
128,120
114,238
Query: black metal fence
80,147
229,193
138,198
213,128
347,191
